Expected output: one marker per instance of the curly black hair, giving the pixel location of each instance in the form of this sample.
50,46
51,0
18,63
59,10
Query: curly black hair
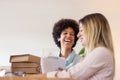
62,25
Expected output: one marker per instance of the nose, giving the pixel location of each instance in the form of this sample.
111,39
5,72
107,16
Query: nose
78,35
69,35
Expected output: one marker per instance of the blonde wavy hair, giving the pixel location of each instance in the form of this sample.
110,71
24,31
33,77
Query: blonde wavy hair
98,30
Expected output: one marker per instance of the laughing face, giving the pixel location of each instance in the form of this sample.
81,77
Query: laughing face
67,38
82,35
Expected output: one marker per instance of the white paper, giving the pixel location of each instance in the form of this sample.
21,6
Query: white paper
2,73
52,64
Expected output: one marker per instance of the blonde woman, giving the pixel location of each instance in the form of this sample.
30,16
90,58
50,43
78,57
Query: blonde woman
95,36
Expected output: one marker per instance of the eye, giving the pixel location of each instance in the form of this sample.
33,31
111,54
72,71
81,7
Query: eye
80,30
72,34
64,33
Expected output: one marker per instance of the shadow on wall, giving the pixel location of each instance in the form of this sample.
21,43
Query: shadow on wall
4,60
49,52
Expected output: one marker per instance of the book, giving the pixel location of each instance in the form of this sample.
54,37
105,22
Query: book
52,64
25,58
25,64
28,70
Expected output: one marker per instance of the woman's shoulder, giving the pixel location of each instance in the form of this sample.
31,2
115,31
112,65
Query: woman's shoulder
102,52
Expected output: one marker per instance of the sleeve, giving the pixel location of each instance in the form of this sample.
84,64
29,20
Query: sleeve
51,74
58,74
93,62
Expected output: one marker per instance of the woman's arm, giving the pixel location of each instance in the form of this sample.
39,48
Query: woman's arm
93,62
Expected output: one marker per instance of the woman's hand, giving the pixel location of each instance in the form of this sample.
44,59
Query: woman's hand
59,69
39,69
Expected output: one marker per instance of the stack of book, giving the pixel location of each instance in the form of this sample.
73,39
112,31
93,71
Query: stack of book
26,63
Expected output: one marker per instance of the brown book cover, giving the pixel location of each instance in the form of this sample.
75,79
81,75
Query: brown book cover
25,69
25,64
25,58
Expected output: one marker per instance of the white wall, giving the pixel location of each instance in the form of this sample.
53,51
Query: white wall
26,25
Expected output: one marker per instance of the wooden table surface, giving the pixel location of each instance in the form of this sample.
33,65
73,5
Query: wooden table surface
31,77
